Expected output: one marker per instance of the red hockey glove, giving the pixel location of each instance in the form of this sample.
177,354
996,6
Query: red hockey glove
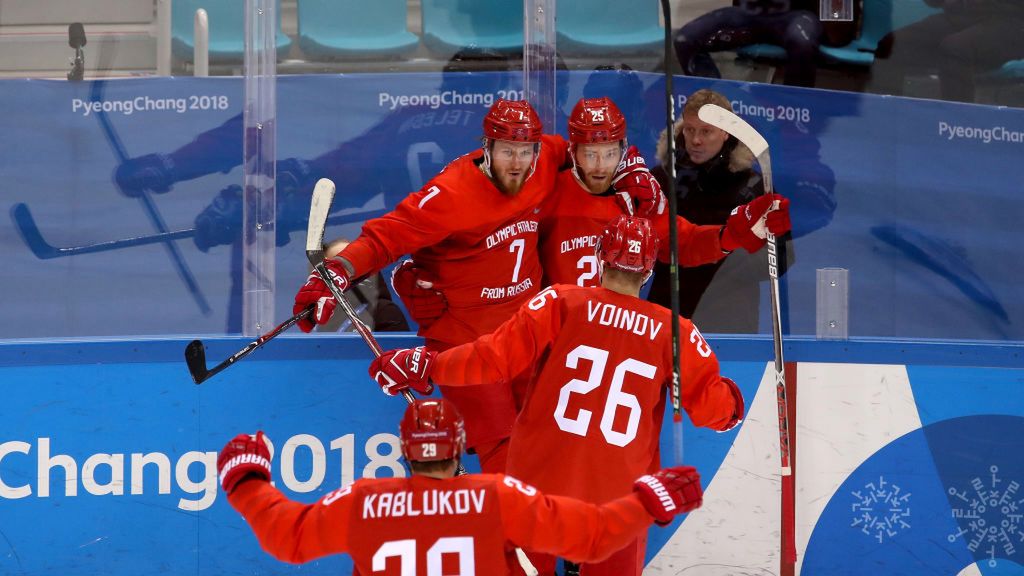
739,406
745,226
777,220
315,291
416,289
398,370
244,456
636,191
669,491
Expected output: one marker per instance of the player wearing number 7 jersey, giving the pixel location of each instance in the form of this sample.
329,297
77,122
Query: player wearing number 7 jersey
473,229
434,523
593,412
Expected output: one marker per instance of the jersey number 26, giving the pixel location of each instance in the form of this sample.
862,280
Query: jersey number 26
616,396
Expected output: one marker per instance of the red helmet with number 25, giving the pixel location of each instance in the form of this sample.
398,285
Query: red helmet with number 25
629,244
596,121
432,430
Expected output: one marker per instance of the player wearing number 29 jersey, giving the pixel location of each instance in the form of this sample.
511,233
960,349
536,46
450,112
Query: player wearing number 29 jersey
428,526
434,524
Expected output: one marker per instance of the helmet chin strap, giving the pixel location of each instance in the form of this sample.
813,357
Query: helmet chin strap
487,157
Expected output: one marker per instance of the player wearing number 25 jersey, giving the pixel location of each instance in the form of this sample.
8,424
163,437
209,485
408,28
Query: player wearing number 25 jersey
434,524
592,415
588,195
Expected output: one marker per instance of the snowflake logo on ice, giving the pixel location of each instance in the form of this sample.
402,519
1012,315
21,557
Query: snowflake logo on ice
881,509
992,513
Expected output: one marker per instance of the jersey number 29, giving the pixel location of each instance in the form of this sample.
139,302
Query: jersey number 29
405,550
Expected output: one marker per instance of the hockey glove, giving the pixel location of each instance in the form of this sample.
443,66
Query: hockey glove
243,457
747,224
154,172
739,407
399,370
221,221
669,491
637,192
315,291
777,221
416,289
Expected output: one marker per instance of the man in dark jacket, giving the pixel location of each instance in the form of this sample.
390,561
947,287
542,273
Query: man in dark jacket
967,37
714,174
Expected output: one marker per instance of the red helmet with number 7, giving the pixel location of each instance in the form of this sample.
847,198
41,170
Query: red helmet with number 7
431,430
628,243
513,120
596,121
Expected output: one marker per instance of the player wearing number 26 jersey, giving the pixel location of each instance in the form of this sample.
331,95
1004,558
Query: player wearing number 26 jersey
592,416
434,524
603,359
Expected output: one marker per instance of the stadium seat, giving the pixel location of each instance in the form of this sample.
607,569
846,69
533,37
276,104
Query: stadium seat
620,26
451,25
880,18
340,28
227,29
763,52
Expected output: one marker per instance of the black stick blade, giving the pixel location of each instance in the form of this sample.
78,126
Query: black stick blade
195,357
29,232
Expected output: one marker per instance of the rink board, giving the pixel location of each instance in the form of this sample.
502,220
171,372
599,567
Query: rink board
902,467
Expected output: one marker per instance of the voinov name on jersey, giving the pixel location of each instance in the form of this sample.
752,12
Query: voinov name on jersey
630,320
428,503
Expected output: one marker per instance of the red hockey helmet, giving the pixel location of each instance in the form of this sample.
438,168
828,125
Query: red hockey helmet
513,120
629,244
432,430
596,121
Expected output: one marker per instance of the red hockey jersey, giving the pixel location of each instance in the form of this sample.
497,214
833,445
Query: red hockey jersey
481,247
592,417
571,220
429,527
479,243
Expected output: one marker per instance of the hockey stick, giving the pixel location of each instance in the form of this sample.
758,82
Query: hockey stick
319,207
746,134
149,206
673,237
195,352
29,231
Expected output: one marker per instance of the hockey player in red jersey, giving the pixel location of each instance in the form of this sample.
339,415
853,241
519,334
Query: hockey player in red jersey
603,363
588,195
435,523
473,228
